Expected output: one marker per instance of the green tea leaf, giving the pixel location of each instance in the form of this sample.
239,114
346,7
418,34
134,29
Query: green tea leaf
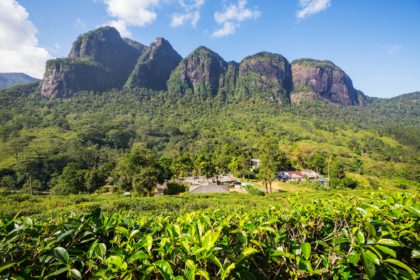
360,237
389,242
306,250
403,266
133,233
245,253
370,256
139,255
117,261
75,274
62,255
6,265
353,258
209,238
148,242
369,266
165,269
101,250
203,274
56,273
386,250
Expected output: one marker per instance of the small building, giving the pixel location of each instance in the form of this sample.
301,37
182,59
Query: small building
297,175
310,174
210,189
226,179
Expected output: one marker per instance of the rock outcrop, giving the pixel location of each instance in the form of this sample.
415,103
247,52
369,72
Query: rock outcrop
64,77
265,74
98,60
199,73
315,79
154,66
101,60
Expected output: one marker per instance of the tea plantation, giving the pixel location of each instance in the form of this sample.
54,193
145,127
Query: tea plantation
320,235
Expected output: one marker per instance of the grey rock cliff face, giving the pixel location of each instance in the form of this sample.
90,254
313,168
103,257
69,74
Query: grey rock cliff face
200,73
99,60
154,66
265,74
314,79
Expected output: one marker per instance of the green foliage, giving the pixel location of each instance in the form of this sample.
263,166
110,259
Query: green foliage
269,155
39,137
175,188
337,170
138,171
71,181
361,235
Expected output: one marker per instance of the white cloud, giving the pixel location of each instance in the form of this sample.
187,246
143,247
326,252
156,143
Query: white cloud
227,29
120,26
310,7
131,13
231,17
19,50
190,14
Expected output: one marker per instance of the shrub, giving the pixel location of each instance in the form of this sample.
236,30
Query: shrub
176,188
252,190
349,183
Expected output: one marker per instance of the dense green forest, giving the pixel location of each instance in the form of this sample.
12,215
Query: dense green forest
83,143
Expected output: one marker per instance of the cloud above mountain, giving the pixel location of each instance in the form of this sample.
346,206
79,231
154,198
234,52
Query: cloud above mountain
19,49
232,16
311,7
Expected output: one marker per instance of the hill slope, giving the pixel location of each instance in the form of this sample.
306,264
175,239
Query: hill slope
11,79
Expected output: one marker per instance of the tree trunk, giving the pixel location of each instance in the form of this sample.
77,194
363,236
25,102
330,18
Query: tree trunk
271,190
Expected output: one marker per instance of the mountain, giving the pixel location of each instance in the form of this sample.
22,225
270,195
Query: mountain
154,66
12,79
265,74
315,79
101,60
200,72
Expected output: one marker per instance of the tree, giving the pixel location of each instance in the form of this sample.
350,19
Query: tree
182,165
146,180
120,138
317,162
269,156
175,188
139,171
205,166
71,181
337,169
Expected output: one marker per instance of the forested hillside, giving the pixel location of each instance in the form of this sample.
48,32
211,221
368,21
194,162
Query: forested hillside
91,136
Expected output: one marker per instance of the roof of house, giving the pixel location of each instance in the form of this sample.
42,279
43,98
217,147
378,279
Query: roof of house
297,174
211,189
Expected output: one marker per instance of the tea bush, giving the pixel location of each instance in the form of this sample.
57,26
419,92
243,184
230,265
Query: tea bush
362,235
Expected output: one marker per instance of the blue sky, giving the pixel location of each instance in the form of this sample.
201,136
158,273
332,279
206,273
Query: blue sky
377,42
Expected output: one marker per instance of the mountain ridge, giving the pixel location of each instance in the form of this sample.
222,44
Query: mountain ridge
15,78
102,60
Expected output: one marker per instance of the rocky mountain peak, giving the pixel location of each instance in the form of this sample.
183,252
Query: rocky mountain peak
98,60
265,74
101,60
154,66
200,72
322,79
